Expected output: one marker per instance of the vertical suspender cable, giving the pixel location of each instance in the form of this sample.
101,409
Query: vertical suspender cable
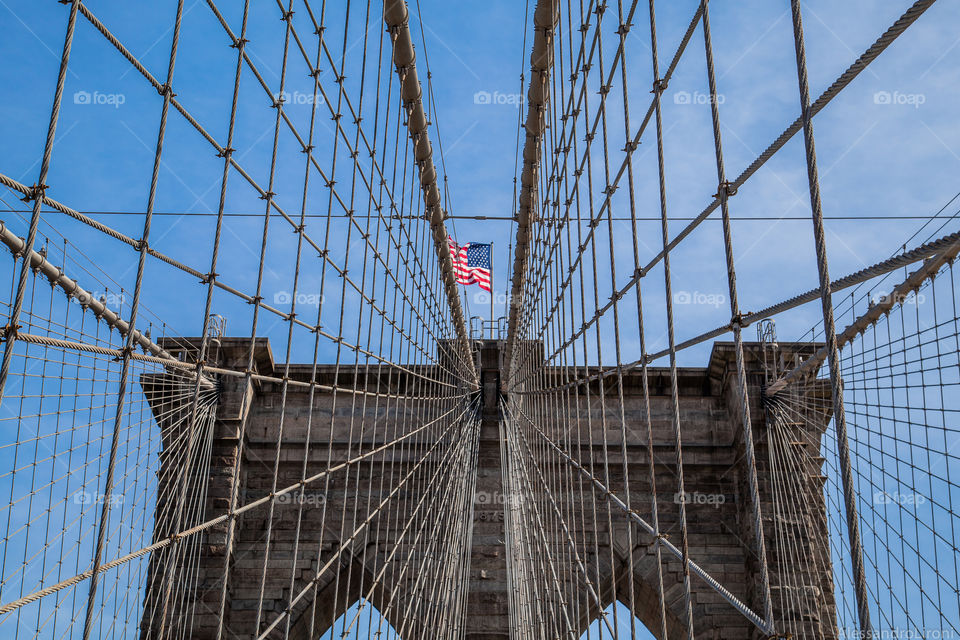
830,333
397,18
723,192
545,19
37,195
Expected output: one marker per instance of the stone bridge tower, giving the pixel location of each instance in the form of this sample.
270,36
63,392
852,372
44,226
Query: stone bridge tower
718,511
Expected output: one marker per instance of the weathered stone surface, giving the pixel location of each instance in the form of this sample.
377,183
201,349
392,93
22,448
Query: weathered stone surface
307,529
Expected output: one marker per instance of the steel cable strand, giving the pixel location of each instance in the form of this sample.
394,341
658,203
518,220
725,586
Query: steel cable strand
830,333
36,195
591,587
142,250
608,495
551,564
611,188
884,41
735,321
266,632
226,152
645,381
943,247
364,544
177,537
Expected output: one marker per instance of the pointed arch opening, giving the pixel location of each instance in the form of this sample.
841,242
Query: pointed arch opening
361,621
372,606
623,623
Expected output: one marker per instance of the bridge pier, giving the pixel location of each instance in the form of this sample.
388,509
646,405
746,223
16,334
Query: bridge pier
307,531
487,603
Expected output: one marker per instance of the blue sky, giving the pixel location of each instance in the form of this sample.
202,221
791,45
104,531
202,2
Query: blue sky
888,146
876,159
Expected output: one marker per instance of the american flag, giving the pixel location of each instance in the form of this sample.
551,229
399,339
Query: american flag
471,263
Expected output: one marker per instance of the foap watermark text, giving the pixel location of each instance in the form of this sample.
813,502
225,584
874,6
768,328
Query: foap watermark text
498,98
302,299
714,300
899,98
695,497
697,97
97,98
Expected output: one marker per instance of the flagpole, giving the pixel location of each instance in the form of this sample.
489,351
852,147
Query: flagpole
492,323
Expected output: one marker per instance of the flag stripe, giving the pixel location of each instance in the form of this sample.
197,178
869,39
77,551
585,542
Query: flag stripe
471,263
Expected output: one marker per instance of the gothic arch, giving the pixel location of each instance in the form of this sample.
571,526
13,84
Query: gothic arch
362,619
338,599
598,630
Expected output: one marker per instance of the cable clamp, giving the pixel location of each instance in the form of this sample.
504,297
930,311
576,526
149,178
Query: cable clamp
726,187
166,90
739,321
660,85
37,192
239,43
10,331
226,153
267,194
